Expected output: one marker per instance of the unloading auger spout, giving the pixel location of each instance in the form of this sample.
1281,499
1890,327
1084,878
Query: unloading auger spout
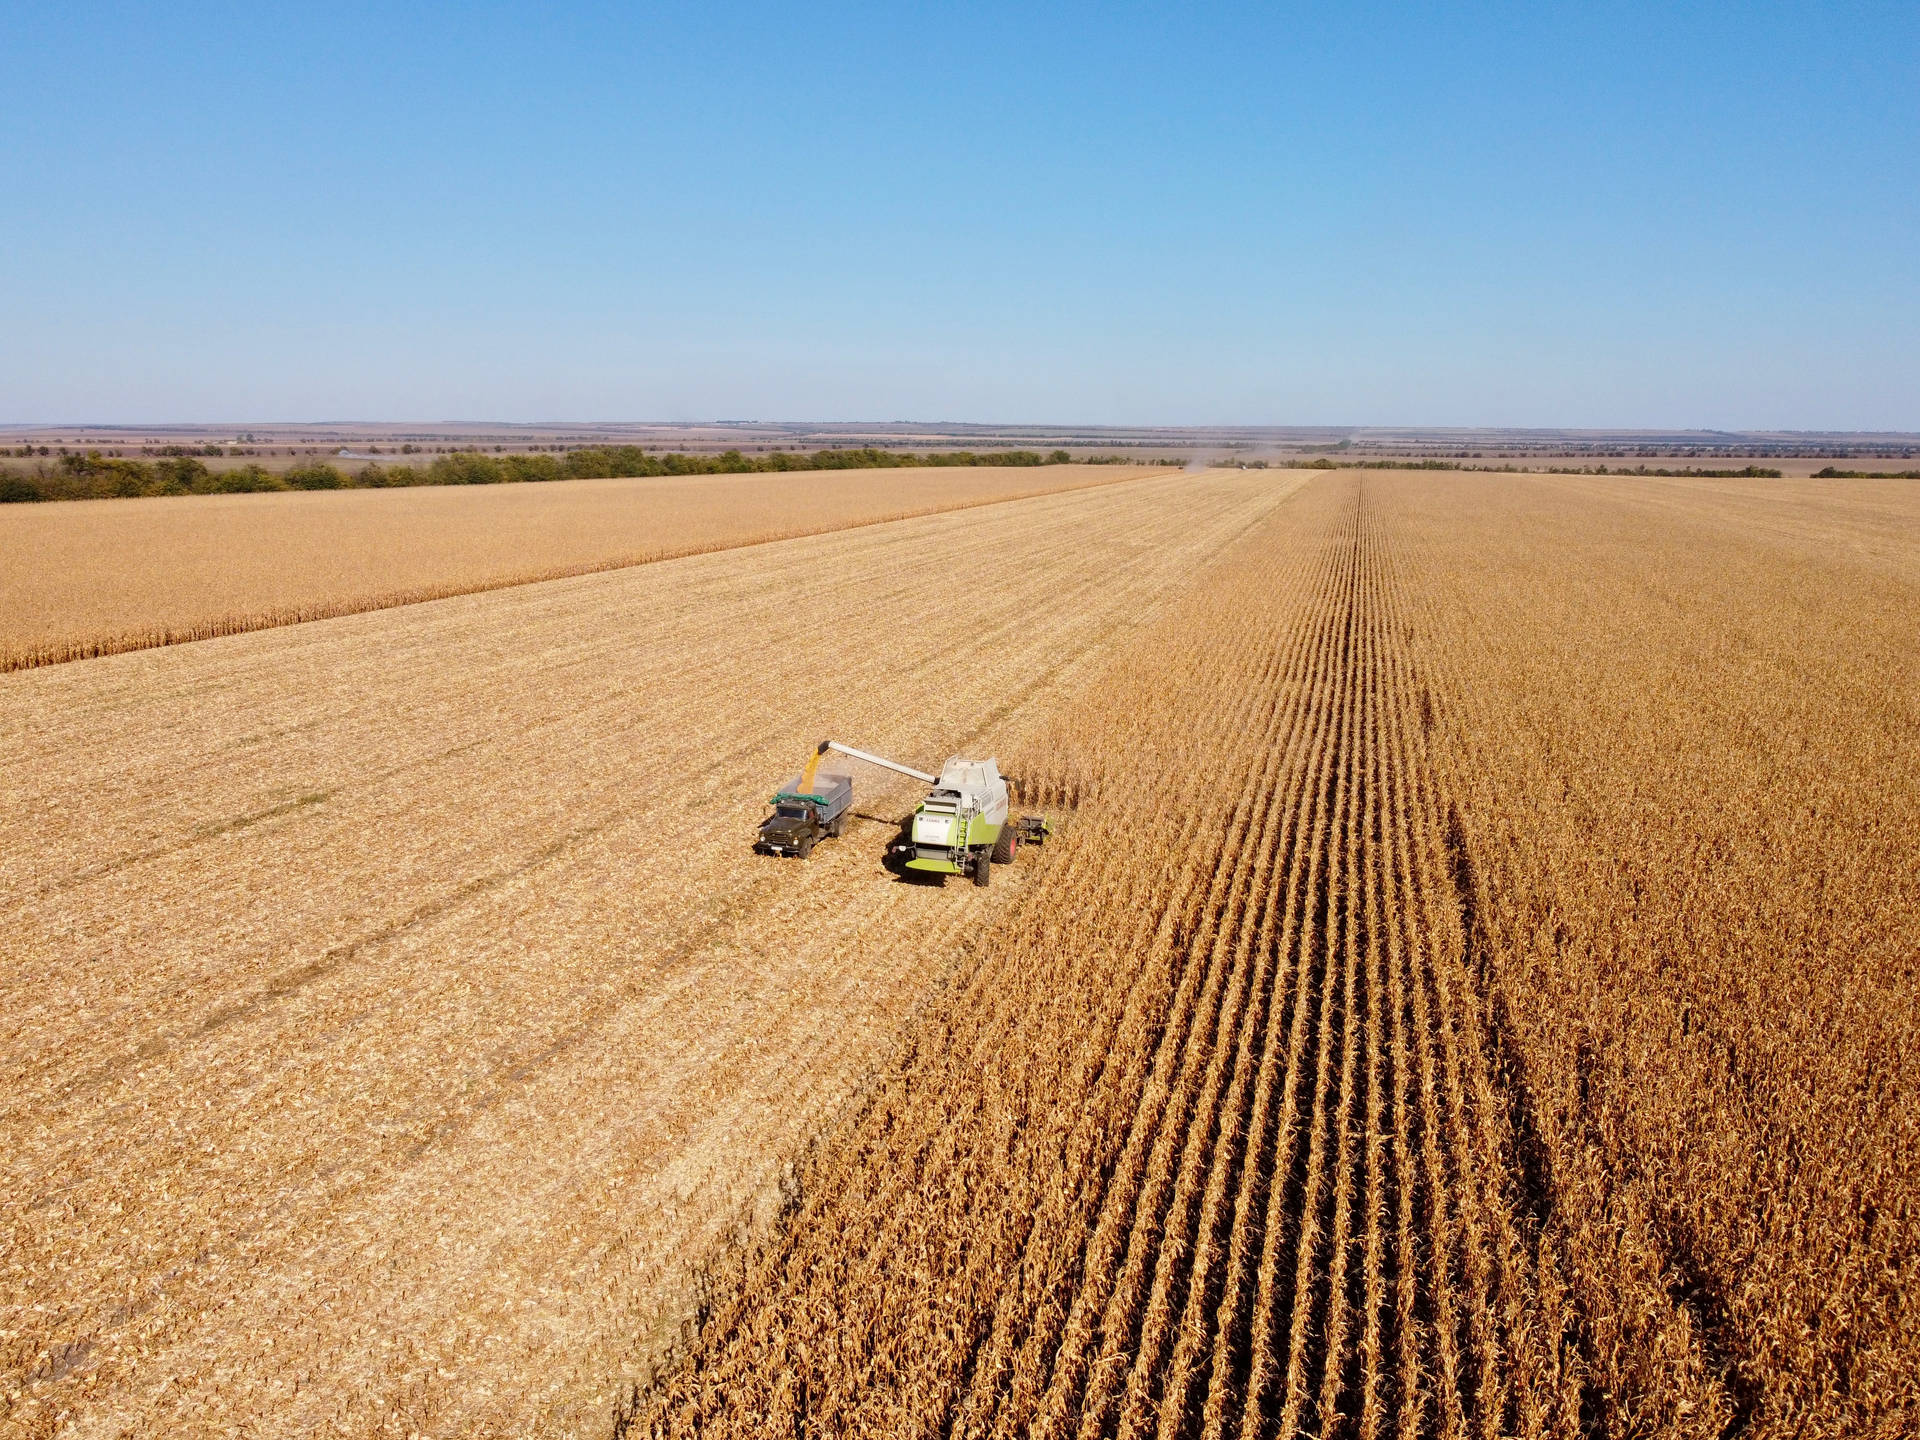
961,828
880,760
812,807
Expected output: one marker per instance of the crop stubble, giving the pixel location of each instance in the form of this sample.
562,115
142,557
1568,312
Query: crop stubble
101,577
1475,996
1268,1208
1498,1017
392,1016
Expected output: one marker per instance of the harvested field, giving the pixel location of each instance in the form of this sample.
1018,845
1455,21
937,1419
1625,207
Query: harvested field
1502,1020
1272,1201
391,1014
1472,991
97,577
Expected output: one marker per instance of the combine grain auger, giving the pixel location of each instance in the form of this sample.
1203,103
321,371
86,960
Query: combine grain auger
962,827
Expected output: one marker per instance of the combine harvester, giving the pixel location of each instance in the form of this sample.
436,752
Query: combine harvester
961,828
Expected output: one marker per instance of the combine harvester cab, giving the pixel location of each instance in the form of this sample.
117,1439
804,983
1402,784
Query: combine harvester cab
807,809
959,828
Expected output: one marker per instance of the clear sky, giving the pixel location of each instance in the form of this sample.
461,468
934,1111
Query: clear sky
1520,214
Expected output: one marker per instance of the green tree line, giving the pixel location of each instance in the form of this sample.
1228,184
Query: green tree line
94,476
1748,472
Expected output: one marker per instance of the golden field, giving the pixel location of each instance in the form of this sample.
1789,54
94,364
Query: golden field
393,1011
100,577
1472,989
1476,996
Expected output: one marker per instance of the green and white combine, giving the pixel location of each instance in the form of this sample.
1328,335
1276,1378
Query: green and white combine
957,827
962,827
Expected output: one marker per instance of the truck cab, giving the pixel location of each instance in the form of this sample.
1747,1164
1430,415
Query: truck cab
799,820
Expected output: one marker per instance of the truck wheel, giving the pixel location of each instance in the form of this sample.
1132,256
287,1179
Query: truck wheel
1004,847
839,826
982,868
806,847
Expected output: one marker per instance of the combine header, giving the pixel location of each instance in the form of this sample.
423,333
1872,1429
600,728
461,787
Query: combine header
962,828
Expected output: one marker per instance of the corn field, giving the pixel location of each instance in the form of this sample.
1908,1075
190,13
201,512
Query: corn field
1445,1061
92,578
1472,989
392,1011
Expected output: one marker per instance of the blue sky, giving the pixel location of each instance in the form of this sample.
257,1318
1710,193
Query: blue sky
1363,214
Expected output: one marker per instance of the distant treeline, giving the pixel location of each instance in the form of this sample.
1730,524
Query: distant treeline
1832,474
94,476
1749,472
